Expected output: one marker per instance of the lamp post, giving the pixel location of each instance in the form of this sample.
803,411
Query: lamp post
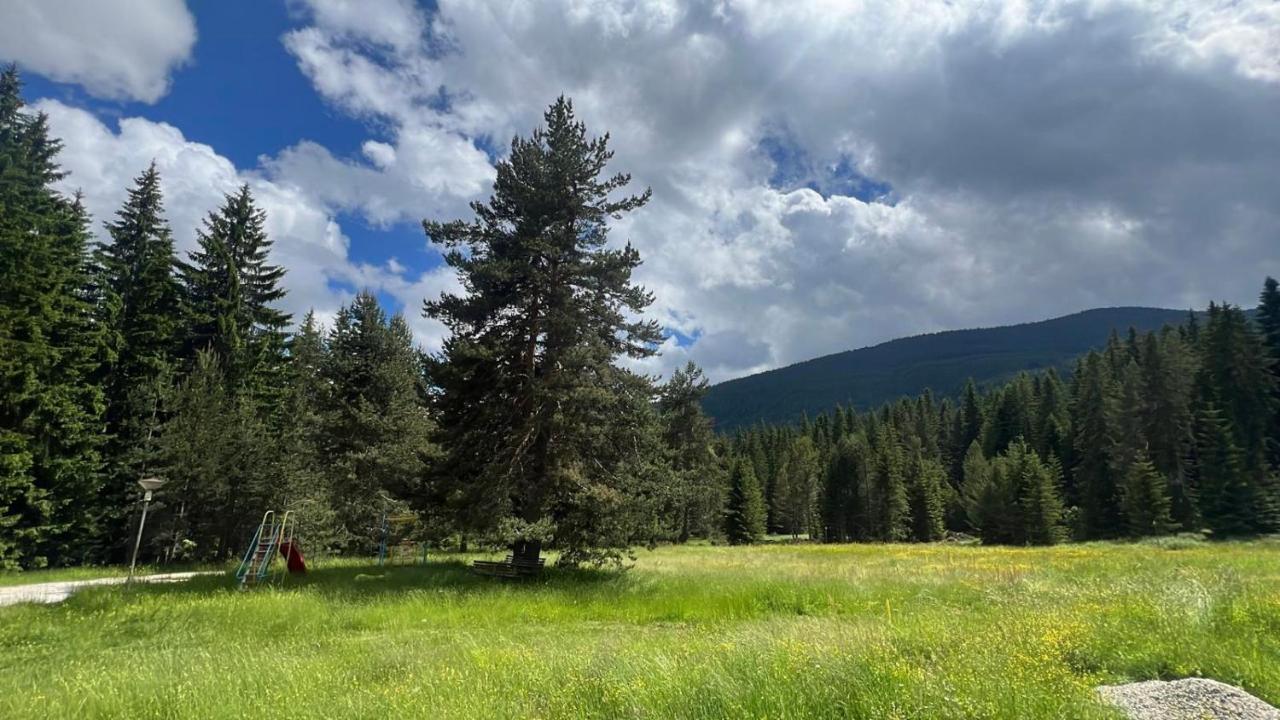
149,484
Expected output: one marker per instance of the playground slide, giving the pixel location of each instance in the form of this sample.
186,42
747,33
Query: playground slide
293,557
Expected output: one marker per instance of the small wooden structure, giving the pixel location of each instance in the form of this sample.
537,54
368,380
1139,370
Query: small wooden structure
512,567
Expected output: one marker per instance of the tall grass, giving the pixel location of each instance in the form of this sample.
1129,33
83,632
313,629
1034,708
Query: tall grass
795,631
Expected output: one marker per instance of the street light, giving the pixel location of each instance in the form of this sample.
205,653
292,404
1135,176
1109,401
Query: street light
149,484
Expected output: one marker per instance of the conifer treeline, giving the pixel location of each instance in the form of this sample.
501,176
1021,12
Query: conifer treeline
1162,432
121,360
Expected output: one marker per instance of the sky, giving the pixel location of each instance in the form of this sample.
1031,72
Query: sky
826,174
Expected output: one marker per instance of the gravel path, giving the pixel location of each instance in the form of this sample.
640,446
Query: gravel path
1190,699
54,592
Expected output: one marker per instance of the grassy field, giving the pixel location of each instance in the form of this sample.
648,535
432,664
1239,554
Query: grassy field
691,632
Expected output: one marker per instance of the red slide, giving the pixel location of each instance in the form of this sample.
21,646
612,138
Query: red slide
293,557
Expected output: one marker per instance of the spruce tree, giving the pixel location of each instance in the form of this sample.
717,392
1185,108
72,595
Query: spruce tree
1011,418
1145,499
529,395
230,291
137,306
1268,318
1234,379
1167,369
975,492
301,465
1226,498
49,404
798,489
1051,430
698,487
1235,368
1093,420
374,433
1037,495
744,511
844,506
926,502
891,511
215,453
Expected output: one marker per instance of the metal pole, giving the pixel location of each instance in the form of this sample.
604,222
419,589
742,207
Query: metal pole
146,503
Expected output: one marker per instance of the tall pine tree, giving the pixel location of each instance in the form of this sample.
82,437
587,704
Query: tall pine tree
744,510
529,396
49,406
230,292
137,305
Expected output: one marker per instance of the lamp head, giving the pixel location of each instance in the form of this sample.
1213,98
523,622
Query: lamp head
151,483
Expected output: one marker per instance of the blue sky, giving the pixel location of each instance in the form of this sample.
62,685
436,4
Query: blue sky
826,175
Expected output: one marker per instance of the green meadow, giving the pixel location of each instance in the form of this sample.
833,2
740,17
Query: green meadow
773,631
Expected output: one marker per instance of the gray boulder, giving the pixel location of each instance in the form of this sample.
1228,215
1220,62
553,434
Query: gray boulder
1190,699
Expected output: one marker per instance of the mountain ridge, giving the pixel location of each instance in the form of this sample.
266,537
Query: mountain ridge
941,361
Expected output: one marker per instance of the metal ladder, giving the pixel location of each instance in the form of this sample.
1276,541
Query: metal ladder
258,559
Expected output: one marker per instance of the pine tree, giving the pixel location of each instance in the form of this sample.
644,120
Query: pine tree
699,480
529,393
137,305
301,465
744,511
927,506
374,429
211,448
1167,370
1268,318
798,491
1234,379
1222,483
890,509
1037,495
1093,419
1145,499
845,492
49,405
230,291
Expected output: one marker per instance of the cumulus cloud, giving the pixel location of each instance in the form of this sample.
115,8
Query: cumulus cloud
1037,158
826,174
116,49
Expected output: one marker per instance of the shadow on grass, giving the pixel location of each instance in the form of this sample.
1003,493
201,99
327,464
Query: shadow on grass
356,582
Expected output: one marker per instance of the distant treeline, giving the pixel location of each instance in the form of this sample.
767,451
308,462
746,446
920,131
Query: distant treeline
1177,430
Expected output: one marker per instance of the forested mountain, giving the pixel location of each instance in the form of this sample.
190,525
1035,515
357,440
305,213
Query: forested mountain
941,362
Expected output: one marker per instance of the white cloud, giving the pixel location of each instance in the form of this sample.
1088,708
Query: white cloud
1043,157
117,49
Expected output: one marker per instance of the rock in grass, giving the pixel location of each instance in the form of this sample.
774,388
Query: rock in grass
1190,699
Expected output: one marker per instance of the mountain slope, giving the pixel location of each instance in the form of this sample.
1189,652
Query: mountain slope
940,361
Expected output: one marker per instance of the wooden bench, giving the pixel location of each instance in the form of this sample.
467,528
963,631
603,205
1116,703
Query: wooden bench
509,568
